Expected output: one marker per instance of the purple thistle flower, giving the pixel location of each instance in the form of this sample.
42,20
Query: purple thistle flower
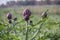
9,21
26,17
9,16
26,12
15,19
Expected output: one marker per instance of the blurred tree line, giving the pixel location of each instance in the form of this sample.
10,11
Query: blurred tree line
32,2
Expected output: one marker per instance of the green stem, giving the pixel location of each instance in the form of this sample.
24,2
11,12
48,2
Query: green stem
37,32
14,28
8,30
27,31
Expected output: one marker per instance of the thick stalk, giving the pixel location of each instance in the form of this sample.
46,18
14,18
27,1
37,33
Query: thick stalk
26,31
37,32
14,29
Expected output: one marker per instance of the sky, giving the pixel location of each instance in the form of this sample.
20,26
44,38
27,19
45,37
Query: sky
4,1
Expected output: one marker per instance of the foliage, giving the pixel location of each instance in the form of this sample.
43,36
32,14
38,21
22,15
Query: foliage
42,29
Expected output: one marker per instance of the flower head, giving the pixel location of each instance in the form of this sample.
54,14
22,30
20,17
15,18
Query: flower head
30,21
9,21
9,16
27,12
15,19
26,17
44,15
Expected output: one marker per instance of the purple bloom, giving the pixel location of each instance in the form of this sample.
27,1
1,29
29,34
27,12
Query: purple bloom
9,21
26,17
26,12
9,16
15,19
